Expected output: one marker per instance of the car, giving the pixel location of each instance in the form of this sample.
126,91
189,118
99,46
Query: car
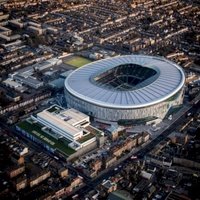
133,157
55,157
170,117
158,196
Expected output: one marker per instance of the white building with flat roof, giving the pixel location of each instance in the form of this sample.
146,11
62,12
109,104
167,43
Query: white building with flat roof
68,123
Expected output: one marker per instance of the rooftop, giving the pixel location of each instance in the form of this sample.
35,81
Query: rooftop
163,79
66,119
85,138
120,195
35,129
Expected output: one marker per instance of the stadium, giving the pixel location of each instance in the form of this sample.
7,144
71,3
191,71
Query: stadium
126,88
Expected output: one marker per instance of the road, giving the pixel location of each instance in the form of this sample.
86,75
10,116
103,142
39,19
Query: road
173,126
178,119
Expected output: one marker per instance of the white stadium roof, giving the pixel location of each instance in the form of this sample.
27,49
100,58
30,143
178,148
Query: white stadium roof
170,79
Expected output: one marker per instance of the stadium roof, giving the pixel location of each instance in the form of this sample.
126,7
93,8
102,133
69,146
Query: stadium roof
169,79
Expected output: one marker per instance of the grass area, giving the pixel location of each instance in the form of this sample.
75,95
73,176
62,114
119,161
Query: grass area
85,138
94,131
35,129
77,61
54,108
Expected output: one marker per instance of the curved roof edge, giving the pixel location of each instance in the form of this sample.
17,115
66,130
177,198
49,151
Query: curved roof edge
133,106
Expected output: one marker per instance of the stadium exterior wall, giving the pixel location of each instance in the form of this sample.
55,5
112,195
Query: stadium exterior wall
122,100
113,114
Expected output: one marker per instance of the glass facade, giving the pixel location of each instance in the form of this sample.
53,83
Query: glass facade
113,114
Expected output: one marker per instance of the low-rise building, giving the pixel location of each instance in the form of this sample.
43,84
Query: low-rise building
109,186
96,165
77,181
108,161
115,131
68,123
118,150
129,144
175,195
139,139
20,183
17,159
60,130
179,138
12,96
145,136
35,180
146,175
15,170
63,172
